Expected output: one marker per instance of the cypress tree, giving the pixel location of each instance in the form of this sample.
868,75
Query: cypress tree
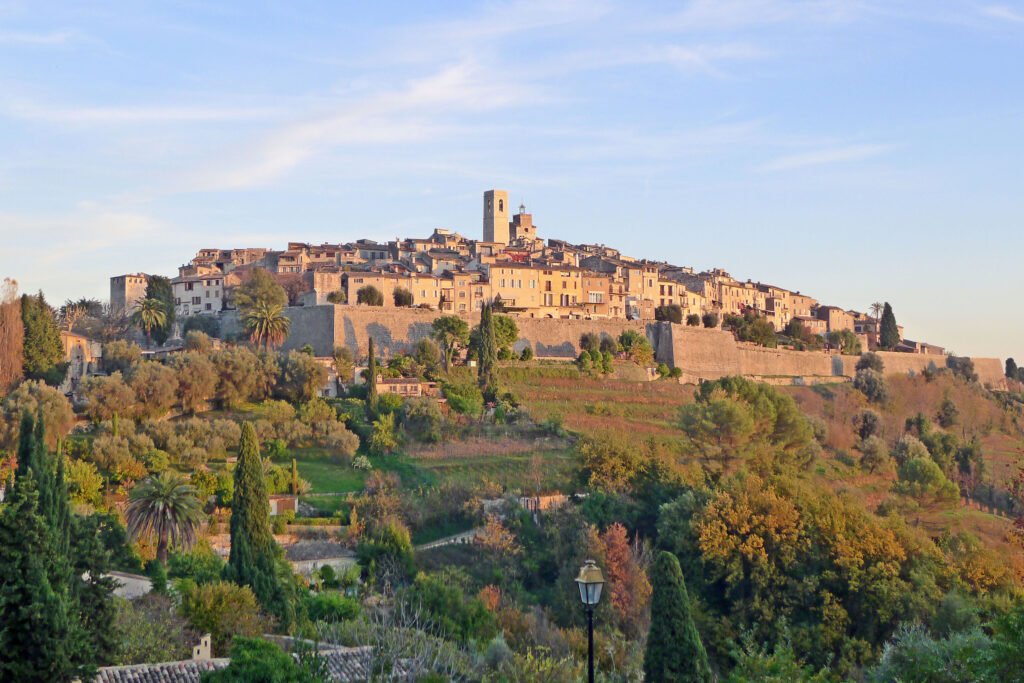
42,350
674,651
253,558
371,391
889,335
488,352
1012,372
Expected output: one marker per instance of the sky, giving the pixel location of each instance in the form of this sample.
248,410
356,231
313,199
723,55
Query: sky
855,150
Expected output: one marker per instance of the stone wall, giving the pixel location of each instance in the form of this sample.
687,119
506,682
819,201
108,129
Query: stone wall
700,353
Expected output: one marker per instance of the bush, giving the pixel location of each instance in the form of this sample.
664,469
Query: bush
920,477
201,565
527,354
871,361
207,324
423,420
369,295
402,297
709,319
223,610
331,606
672,313
464,397
871,383
120,356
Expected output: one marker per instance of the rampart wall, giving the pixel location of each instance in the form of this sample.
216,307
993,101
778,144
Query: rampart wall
700,353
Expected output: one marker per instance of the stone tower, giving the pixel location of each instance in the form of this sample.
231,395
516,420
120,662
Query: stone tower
496,211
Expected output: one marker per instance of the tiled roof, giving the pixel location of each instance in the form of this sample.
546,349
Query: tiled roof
188,671
344,665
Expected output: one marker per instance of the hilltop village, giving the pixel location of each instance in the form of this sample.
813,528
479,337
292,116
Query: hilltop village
512,266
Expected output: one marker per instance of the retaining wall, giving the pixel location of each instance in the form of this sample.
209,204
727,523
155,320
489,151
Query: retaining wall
700,353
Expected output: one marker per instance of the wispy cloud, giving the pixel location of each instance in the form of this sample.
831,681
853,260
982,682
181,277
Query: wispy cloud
736,14
427,108
132,113
1004,13
49,38
821,157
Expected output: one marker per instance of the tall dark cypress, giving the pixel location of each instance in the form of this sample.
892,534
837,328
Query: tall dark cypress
488,352
253,558
889,334
674,651
39,637
371,390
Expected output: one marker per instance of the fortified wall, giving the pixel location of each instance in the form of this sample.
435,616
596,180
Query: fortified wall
700,353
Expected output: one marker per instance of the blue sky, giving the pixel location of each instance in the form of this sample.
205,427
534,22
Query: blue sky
854,150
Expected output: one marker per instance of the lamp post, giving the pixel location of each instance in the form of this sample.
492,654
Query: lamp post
590,582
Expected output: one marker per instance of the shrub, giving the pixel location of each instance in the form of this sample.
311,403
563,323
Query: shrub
871,361
693,320
527,354
331,606
369,295
709,319
223,610
120,356
920,477
672,313
402,297
871,383
464,397
423,420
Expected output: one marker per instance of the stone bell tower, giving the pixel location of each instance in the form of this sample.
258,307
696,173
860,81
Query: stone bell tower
496,212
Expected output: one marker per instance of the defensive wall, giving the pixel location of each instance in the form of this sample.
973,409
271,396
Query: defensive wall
700,353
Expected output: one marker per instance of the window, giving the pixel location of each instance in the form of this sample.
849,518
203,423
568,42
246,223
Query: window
501,205
196,300
208,307
596,297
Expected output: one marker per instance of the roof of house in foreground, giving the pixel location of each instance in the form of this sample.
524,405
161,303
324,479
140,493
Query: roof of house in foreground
344,665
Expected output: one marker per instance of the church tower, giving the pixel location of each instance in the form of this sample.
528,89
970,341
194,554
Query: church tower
496,211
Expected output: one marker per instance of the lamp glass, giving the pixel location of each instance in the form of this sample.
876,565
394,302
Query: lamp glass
590,582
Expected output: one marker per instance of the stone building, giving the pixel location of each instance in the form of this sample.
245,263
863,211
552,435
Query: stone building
496,211
126,291
198,294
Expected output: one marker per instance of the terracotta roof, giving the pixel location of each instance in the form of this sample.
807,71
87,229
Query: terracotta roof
344,665
188,671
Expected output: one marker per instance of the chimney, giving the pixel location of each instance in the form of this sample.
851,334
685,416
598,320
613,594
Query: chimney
201,652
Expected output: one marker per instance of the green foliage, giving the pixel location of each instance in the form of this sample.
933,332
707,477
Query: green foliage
757,663
636,346
370,296
846,341
158,288
164,506
221,609
710,320
870,361
385,437
331,605
913,655
85,484
452,333
344,363
257,661
868,423
149,630
874,454
371,381
301,377
733,417
693,320
207,324
487,353
672,313
948,414
253,558
402,297
197,380
42,352
750,327
198,341
201,564
962,367
106,397
386,553
120,355
154,385
872,384
464,397
423,420
259,288
920,477
1012,371
889,334
674,649
453,613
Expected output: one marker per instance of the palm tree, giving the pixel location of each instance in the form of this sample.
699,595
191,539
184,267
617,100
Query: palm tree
166,506
876,309
267,324
149,316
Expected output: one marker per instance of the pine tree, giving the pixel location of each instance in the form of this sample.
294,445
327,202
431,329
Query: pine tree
253,558
889,335
371,391
42,351
674,651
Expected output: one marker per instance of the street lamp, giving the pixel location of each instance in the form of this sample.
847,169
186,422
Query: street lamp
590,582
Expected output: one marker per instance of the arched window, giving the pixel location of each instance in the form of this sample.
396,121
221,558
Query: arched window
501,205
